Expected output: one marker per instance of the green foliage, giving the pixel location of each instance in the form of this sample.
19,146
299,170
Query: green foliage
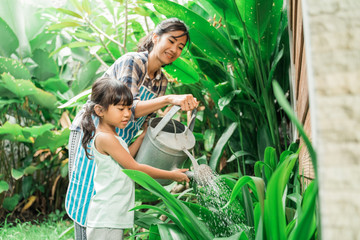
237,49
180,214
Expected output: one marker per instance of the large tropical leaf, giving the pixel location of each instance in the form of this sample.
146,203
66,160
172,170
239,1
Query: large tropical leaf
8,41
4,186
183,71
15,132
52,139
255,14
86,76
204,35
22,88
47,67
15,68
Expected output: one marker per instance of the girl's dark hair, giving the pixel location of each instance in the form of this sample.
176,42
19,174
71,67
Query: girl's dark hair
106,91
168,25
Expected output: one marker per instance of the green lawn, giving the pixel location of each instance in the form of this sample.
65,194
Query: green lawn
35,231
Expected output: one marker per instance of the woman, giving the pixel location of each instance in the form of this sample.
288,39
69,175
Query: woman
141,72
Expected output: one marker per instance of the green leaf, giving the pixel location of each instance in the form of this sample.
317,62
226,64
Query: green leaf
30,170
224,101
8,42
275,221
256,184
75,100
256,15
86,6
13,132
182,70
15,68
86,76
64,24
47,67
204,35
307,222
268,41
64,170
142,195
17,174
18,15
55,85
11,202
218,150
188,221
171,231
52,139
4,102
75,45
259,166
238,154
22,88
69,12
36,131
290,113
27,186
145,220
208,66
237,236
209,139
4,186
76,4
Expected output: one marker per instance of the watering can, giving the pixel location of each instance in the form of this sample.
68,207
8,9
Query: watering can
164,143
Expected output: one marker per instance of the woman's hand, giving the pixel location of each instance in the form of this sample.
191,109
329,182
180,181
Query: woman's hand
187,102
179,175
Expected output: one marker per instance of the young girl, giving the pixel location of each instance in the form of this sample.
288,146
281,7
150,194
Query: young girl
108,212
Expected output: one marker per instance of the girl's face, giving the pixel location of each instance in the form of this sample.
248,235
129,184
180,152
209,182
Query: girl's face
167,48
116,116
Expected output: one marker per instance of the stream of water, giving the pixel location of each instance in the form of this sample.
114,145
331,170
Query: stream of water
213,193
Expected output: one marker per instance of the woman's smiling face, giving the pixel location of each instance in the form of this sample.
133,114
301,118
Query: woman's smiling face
168,47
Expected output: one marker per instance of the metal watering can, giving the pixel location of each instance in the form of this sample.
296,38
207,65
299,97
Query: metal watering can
164,143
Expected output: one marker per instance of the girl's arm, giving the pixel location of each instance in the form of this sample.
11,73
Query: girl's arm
186,101
107,143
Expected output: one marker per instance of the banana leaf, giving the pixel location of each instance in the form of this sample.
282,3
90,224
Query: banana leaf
8,42
204,35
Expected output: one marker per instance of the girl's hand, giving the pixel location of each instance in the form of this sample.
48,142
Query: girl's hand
179,175
186,101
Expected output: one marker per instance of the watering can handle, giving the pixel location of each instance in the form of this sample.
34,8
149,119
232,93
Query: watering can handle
166,119
192,120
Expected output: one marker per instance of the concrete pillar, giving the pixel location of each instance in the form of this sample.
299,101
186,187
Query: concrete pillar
332,38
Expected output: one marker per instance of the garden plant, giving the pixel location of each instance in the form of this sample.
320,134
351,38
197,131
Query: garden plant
236,65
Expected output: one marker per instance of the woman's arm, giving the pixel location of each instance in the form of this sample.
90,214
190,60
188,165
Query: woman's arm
135,146
109,144
186,101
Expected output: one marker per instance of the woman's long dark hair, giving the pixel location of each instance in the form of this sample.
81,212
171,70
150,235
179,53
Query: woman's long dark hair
168,25
105,92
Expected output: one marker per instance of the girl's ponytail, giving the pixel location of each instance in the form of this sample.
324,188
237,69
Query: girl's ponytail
88,127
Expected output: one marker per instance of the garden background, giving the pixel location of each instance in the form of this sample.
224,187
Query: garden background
237,66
